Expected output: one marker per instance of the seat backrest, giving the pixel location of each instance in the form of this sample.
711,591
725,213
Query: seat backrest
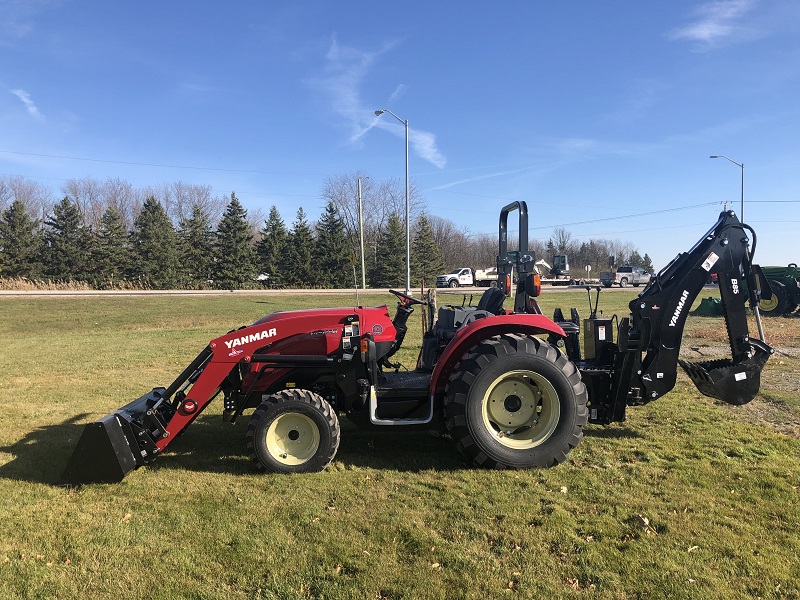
492,300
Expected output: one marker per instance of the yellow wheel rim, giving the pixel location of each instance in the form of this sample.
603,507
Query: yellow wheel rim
769,305
292,438
521,409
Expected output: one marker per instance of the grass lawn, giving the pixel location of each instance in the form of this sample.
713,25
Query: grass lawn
688,498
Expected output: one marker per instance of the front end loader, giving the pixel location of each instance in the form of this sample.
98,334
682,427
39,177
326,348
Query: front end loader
512,387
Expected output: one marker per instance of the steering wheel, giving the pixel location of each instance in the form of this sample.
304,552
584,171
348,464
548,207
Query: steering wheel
406,299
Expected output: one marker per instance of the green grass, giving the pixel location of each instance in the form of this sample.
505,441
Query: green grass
397,515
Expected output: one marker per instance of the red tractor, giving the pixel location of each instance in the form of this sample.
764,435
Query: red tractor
513,387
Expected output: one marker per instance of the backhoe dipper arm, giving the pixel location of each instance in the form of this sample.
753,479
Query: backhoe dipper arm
659,314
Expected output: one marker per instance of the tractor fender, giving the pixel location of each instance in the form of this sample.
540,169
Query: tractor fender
477,331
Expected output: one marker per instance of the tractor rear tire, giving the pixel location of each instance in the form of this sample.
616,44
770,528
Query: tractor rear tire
515,402
293,431
778,304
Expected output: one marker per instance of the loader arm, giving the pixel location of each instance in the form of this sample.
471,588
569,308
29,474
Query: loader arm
659,313
137,433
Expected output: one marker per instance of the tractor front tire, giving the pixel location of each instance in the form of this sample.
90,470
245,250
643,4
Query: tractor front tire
293,431
515,402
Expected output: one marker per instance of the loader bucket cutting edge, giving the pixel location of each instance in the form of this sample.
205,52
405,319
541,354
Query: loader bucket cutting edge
111,447
732,383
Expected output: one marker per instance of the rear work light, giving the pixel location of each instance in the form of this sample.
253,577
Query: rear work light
537,285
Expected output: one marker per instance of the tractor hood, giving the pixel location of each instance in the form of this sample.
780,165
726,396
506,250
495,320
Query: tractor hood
374,320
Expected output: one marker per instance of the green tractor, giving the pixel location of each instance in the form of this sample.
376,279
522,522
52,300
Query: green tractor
785,285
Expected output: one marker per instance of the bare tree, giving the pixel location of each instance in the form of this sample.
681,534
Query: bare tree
121,196
453,243
88,195
37,199
562,241
379,201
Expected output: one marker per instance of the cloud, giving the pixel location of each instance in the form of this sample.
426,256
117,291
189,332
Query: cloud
715,21
397,92
346,70
25,97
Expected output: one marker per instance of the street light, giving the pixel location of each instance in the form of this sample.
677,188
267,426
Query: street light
741,166
378,113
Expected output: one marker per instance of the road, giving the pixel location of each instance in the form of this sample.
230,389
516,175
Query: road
258,292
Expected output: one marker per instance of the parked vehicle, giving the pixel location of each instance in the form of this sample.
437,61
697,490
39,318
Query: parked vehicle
513,387
625,276
785,285
456,278
465,276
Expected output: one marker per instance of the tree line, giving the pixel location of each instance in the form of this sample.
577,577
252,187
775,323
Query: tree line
180,236
155,253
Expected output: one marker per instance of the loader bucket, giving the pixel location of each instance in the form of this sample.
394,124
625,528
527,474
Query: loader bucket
732,383
103,454
111,447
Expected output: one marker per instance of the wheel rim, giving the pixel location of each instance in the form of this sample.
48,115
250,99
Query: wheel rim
521,408
769,305
292,438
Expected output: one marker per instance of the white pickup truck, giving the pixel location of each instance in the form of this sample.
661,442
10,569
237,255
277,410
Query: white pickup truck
464,276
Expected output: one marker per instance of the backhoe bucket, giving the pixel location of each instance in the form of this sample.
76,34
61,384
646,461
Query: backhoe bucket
116,444
732,383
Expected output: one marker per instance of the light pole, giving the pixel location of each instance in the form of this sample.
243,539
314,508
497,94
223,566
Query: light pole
741,166
378,113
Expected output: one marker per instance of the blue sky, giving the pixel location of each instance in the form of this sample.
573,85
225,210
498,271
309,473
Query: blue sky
601,115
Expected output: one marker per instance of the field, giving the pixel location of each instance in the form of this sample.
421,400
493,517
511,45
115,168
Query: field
688,498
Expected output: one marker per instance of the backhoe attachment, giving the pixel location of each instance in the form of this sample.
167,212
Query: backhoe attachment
659,314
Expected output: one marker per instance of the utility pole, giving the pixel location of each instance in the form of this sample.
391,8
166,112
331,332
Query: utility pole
361,234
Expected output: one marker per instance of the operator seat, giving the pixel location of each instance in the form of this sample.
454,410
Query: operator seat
492,301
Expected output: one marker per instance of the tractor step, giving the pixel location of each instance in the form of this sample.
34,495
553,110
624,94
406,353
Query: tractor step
412,381
407,391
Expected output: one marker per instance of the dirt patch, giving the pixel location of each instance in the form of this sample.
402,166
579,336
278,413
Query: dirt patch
778,404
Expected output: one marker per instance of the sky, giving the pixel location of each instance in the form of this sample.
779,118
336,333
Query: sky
600,115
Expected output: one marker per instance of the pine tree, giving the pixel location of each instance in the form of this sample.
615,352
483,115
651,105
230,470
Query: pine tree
389,270
112,251
299,253
647,263
196,248
635,259
332,251
271,248
427,261
234,255
67,243
155,247
20,244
